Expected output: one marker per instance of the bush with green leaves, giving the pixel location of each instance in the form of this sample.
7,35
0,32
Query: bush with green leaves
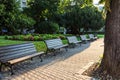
24,22
39,10
91,19
85,18
11,17
47,27
37,37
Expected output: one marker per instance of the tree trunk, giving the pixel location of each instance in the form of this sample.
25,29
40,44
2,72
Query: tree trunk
111,58
75,30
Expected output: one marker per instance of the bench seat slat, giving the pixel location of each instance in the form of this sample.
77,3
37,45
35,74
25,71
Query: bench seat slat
57,47
17,55
77,42
24,58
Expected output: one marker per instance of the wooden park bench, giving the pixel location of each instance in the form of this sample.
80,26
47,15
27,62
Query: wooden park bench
84,38
72,40
13,54
55,44
92,37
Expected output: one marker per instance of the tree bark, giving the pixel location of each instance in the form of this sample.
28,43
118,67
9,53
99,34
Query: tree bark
111,58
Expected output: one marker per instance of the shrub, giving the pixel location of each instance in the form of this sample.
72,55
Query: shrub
24,22
6,37
48,36
21,37
14,37
35,37
47,27
31,38
62,37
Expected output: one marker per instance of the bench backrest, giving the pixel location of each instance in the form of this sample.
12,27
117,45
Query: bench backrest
83,37
52,43
91,36
16,51
72,39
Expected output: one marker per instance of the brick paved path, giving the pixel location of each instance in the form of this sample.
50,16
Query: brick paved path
63,66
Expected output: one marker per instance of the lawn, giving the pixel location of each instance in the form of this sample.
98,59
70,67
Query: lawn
100,35
4,42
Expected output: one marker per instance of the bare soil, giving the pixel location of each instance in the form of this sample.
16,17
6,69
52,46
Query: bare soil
93,71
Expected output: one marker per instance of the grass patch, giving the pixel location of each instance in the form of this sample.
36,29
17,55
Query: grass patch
4,42
40,46
65,41
100,35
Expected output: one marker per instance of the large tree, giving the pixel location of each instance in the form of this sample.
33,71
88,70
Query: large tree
11,17
85,19
111,59
42,10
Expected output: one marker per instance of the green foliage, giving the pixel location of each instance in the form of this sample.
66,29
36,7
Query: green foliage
8,11
2,8
91,18
38,37
47,27
86,18
68,5
46,18
40,10
40,46
11,17
100,36
73,20
24,22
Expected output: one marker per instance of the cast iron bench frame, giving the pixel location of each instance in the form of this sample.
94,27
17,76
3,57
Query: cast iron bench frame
84,38
13,54
92,37
72,40
55,44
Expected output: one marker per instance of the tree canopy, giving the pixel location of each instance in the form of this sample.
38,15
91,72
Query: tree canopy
11,17
74,15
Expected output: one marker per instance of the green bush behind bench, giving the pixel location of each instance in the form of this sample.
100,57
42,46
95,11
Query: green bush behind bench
36,37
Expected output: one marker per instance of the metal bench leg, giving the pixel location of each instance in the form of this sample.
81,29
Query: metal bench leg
11,69
54,54
41,58
46,52
85,41
73,46
1,67
66,48
80,44
31,59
